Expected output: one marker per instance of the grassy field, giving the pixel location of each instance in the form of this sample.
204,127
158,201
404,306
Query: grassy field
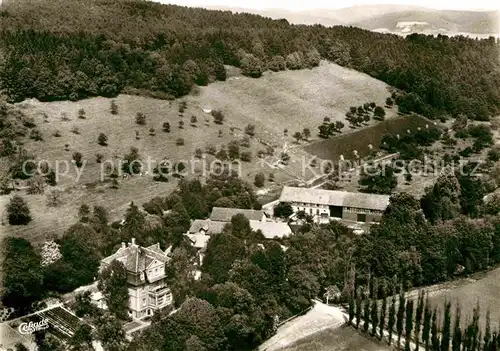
479,288
343,338
292,99
359,140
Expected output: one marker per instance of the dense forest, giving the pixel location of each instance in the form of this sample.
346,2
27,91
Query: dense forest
74,49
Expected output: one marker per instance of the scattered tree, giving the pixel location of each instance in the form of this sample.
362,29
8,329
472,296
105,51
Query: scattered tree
218,116
259,180
140,118
82,114
114,107
78,158
297,136
102,139
250,129
379,113
166,127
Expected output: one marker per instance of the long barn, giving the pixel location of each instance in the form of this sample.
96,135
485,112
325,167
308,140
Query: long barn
355,207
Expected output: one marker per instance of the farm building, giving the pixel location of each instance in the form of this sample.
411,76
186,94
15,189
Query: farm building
145,266
201,229
320,203
221,214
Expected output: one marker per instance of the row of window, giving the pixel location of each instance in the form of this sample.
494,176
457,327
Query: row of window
361,210
346,209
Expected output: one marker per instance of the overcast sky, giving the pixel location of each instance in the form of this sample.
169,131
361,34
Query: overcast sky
296,5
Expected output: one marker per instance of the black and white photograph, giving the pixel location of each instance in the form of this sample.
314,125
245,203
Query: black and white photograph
249,175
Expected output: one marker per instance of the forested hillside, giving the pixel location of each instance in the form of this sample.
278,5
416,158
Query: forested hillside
72,49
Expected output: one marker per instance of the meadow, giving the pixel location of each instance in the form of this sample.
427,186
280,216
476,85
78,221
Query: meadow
343,338
293,100
480,288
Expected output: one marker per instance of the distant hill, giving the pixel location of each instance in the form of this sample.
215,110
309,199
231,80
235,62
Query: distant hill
433,21
398,19
75,49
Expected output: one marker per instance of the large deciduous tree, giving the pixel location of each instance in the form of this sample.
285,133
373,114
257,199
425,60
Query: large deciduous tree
113,285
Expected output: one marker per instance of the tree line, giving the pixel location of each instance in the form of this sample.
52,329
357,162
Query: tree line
137,46
420,323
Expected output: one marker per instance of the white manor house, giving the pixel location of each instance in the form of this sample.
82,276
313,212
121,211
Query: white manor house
145,266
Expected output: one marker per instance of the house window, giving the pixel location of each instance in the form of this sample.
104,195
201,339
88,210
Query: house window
361,217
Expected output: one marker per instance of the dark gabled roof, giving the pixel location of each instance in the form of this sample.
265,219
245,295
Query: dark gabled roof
137,258
210,227
222,214
335,198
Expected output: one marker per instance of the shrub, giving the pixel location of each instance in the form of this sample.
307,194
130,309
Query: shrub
379,113
283,210
77,157
82,114
297,136
246,156
54,198
114,108
18,211
259,180
98,158
494,154
36,135
198,153
140,118
251,66
181,124
218,116
152,131
102,139
222,155
179,142
245,142
64,116
250,129
285,158
166,127
193,120
75,130
57,134
210,149
466,152
306,133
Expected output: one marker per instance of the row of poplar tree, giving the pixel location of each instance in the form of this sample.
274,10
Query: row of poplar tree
421,324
